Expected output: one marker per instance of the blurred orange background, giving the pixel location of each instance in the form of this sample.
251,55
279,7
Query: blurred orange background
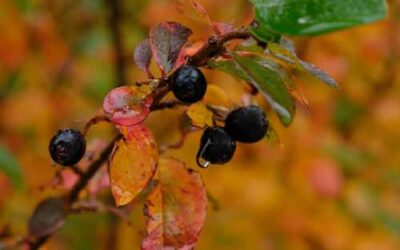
332,181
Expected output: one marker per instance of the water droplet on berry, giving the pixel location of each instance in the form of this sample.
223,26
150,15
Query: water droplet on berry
201,162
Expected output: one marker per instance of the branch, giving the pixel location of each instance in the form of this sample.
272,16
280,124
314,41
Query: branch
215,46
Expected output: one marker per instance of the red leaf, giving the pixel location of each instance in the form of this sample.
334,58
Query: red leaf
133,164
142,55
167,40
47,218
176,208
128,106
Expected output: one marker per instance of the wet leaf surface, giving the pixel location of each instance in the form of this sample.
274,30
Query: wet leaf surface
128,105
312,17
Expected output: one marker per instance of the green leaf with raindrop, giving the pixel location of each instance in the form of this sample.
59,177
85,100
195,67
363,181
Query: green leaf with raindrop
314,17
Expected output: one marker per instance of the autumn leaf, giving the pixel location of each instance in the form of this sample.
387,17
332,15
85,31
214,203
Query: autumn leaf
215,96
176,208
128,105
167,40
133,164
142,55
200,115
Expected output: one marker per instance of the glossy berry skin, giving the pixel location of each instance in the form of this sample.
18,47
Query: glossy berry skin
216,146
188,84
247,124
67,147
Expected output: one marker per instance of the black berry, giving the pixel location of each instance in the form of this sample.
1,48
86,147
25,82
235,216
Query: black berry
247,124
188,84
216,147
67,147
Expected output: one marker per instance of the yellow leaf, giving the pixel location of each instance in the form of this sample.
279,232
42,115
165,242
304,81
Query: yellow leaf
200,115
133,164
216,96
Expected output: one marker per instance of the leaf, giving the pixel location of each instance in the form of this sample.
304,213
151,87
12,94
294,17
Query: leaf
167,39
271,81
313,17
229,67
215,96
176,208
285,51
132,164
142,55
194,10
10,167
128,106
48,216
200,115
262,32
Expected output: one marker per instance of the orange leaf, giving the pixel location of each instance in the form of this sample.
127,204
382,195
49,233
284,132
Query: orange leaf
133,164
216,96
176,208
200,115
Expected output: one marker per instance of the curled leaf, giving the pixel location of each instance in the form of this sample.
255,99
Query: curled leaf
132,164
200,115
167,40
128,105
176,208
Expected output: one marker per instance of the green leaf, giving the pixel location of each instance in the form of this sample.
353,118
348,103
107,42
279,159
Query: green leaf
10,167
313,17
284,51
270,80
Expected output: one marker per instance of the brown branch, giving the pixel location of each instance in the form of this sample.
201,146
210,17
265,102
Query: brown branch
91,171
215,46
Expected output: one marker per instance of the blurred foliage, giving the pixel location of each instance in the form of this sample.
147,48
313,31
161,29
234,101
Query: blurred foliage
331,182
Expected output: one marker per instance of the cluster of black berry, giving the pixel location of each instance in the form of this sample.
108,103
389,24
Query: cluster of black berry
218,144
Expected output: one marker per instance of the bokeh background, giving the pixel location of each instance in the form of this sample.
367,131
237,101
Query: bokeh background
331,181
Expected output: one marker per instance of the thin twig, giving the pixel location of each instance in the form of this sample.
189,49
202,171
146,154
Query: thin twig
94,121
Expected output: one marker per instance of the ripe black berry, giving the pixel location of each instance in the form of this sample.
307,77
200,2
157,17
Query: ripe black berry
216,147
188,84
67,147
247,124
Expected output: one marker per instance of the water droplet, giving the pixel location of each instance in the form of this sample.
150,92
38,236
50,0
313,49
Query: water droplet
303,20
201,162
255,24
